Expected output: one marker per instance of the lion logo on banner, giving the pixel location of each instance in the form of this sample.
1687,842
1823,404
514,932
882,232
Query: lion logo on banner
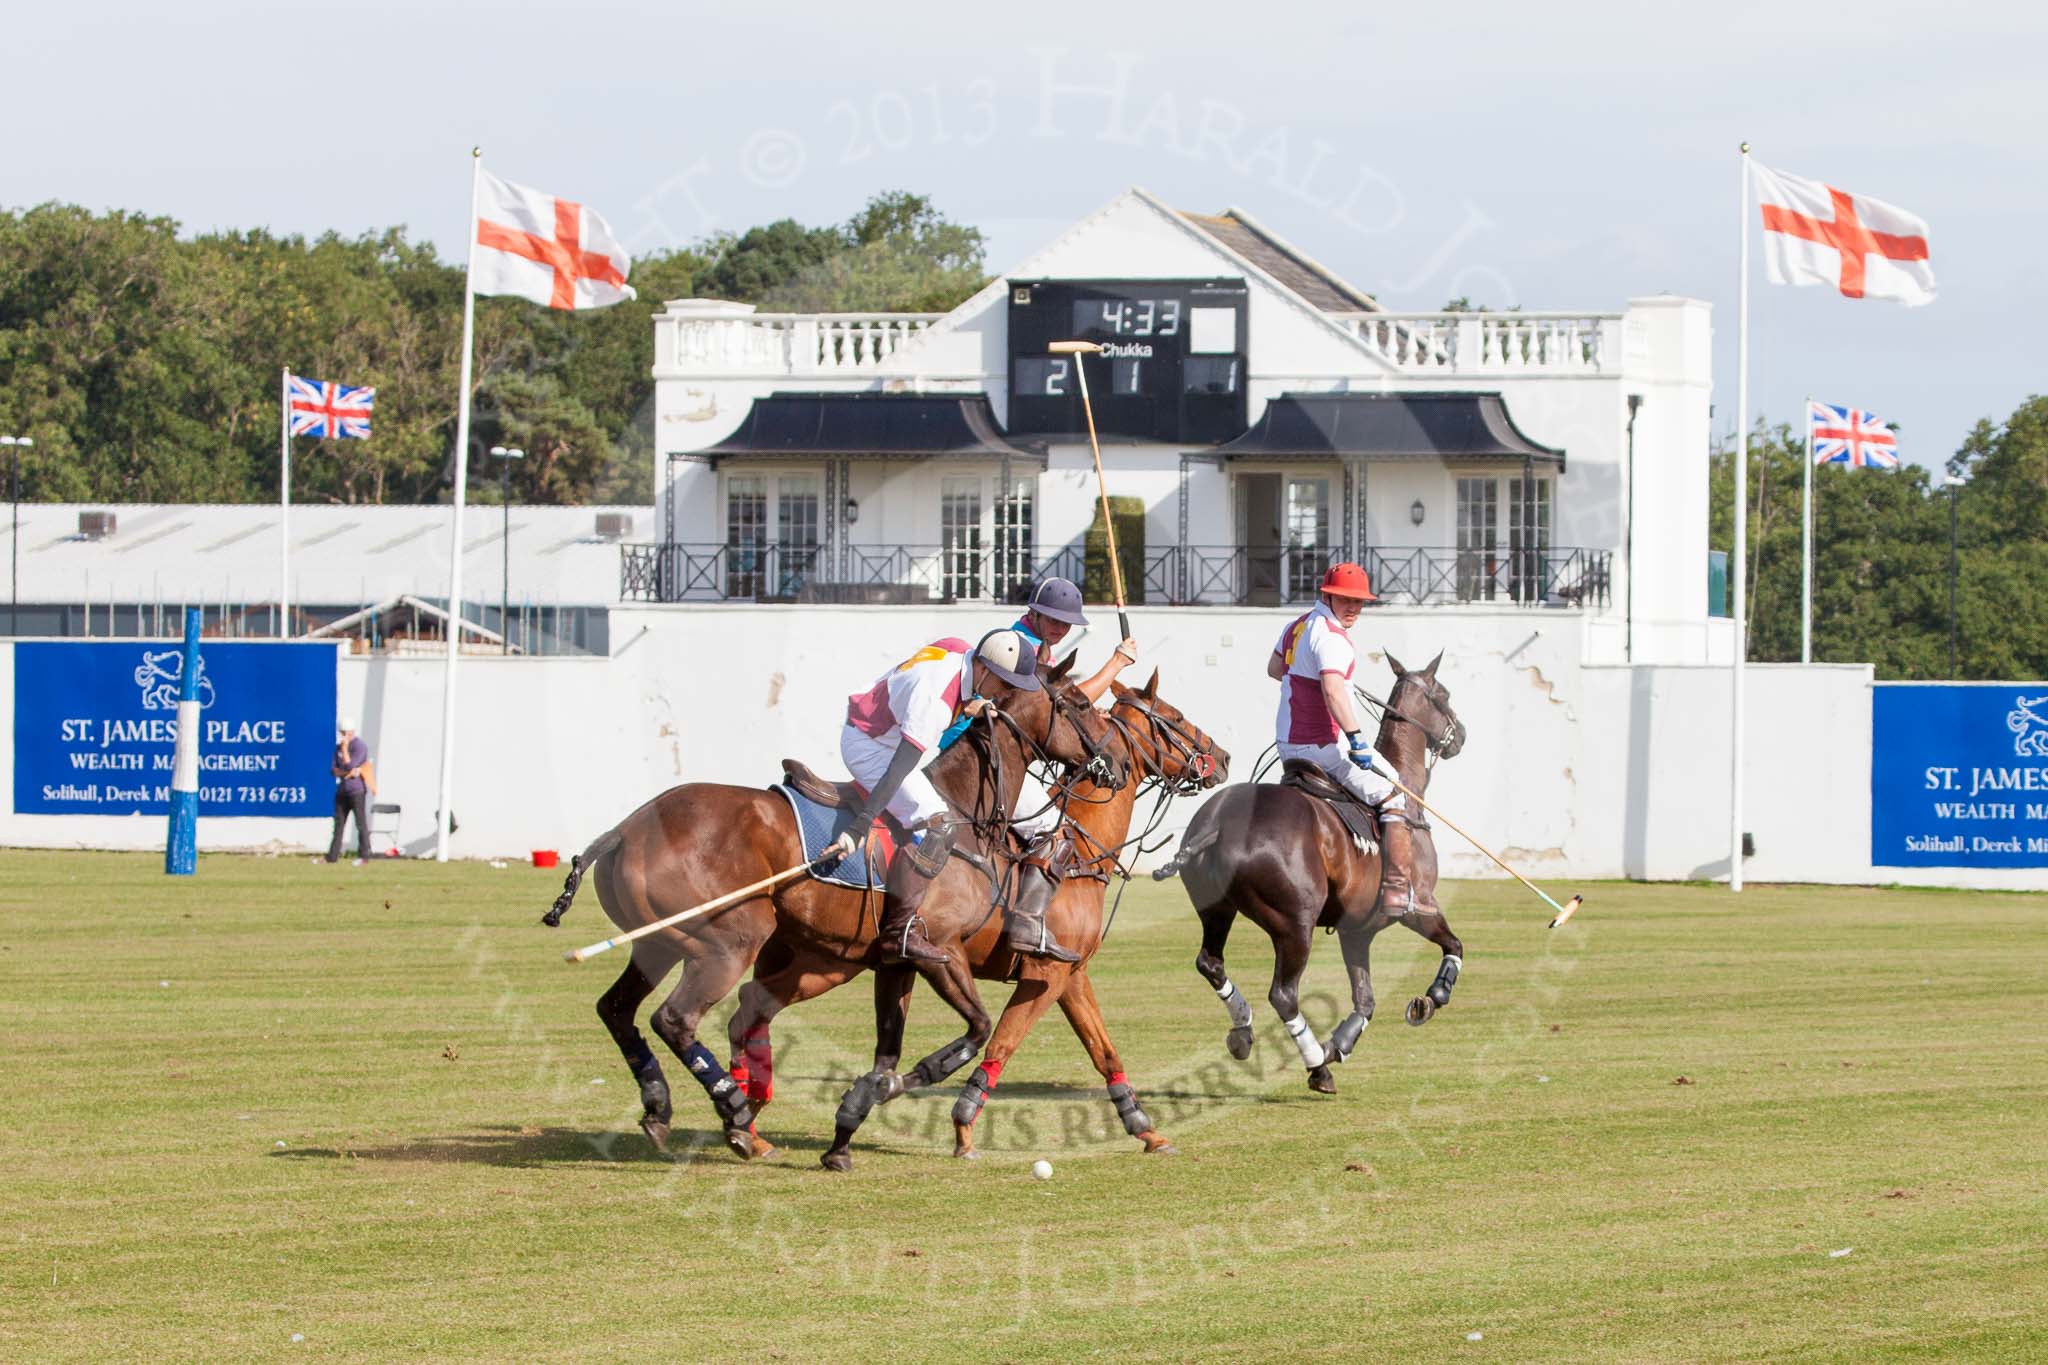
162,672
2028,721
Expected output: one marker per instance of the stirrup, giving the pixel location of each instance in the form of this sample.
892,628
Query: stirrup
1047,947
899,947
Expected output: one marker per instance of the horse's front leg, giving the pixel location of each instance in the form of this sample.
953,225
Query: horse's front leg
1355,936
1431,924
1034,994
893,985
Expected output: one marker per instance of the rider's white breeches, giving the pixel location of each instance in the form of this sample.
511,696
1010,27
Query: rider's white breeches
915,802
1368,787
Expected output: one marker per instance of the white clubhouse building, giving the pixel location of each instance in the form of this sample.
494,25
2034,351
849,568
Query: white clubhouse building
1266,416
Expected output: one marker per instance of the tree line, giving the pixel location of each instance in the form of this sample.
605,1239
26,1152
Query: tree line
1881,557
146,364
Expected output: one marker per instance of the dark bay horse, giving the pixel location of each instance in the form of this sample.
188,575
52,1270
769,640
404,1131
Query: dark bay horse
1159,749
699,840
1285,861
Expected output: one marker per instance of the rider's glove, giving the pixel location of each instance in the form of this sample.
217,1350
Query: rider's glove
1361,752
839,849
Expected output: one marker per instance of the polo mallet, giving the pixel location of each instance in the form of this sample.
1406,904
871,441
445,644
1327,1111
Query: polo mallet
720,903
1079,349
1564,912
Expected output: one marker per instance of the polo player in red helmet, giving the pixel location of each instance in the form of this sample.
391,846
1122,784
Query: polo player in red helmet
1318,719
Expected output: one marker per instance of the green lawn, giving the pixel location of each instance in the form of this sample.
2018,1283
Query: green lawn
364,1106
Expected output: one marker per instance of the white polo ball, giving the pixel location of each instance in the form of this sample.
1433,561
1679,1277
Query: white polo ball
1042,1169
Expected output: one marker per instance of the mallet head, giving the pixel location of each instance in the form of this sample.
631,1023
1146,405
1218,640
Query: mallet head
1075,348
1571,907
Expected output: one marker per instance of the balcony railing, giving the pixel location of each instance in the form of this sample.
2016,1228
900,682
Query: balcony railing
1491,343
771,572
1175,575
788,343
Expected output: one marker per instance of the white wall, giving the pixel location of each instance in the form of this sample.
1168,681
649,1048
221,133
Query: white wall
1573,771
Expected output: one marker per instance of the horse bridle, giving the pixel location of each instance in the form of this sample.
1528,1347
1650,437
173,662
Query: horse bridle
1197,762
1099,767
1444,745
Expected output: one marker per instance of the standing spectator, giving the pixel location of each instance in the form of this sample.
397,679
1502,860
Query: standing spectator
355,783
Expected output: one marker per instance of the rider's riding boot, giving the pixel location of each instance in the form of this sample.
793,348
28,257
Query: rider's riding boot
910,875
1397,863
1039,873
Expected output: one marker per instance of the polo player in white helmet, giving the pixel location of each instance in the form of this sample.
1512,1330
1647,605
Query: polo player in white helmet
892,730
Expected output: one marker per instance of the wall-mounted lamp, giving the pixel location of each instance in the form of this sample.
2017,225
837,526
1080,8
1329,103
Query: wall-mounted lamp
1415,512
852,511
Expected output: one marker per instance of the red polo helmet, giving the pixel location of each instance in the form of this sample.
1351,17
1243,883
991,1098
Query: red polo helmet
1348,580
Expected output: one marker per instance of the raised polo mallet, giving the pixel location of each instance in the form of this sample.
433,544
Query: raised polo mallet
1078,349
1564,912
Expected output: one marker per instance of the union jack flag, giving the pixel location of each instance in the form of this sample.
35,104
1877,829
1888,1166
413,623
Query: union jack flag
322,409
1850,436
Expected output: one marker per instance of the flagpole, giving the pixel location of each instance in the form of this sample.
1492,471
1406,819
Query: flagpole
453,624
284,503
1738,578
1806,551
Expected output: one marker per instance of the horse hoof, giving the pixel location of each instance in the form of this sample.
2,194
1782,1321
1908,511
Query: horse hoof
841,1162
1419,1010
742,1143
1239,1041
656,1130
1321,1081
1157,1145
966,1154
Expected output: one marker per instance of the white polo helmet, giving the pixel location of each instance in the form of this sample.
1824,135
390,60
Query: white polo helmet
1008,655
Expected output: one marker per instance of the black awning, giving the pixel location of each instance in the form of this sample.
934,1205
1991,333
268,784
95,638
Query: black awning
870,424
1390,426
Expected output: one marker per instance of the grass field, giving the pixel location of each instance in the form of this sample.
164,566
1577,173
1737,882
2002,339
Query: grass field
363,1107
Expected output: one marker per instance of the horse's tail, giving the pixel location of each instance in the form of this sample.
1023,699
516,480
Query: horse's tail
1193,843
578,865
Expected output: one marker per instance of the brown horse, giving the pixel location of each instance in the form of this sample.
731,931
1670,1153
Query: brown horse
1286,861
1159,749
699,840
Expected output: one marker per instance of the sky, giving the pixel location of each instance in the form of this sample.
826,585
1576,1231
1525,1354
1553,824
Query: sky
1549,156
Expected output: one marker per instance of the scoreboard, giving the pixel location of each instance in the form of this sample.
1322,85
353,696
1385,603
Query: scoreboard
1172,363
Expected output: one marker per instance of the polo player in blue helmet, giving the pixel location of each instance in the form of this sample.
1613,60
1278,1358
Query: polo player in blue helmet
1052,613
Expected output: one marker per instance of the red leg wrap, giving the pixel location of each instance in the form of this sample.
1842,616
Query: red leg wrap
760,1059
1117,1078
992,1071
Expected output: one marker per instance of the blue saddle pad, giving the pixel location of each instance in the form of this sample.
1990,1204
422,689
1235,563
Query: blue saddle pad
817,824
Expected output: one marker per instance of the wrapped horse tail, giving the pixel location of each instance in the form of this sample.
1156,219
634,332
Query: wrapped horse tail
578,866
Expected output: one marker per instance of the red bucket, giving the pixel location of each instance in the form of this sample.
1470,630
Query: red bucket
546,857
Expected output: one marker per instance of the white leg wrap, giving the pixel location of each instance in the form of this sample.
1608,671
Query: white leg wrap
1240,1012
1305,1042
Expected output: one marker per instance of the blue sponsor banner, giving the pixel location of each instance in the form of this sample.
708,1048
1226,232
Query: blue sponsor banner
1959,775
95,725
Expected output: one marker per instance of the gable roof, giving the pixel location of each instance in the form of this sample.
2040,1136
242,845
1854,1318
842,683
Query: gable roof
1237,232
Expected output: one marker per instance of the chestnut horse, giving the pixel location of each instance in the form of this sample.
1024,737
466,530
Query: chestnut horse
696,841
1286,861
1158,748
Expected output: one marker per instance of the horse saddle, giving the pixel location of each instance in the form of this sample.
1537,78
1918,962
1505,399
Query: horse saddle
816,788
1306,778
821,808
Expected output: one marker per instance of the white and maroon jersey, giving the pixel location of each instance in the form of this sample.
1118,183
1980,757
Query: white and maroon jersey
917,699
1312,646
